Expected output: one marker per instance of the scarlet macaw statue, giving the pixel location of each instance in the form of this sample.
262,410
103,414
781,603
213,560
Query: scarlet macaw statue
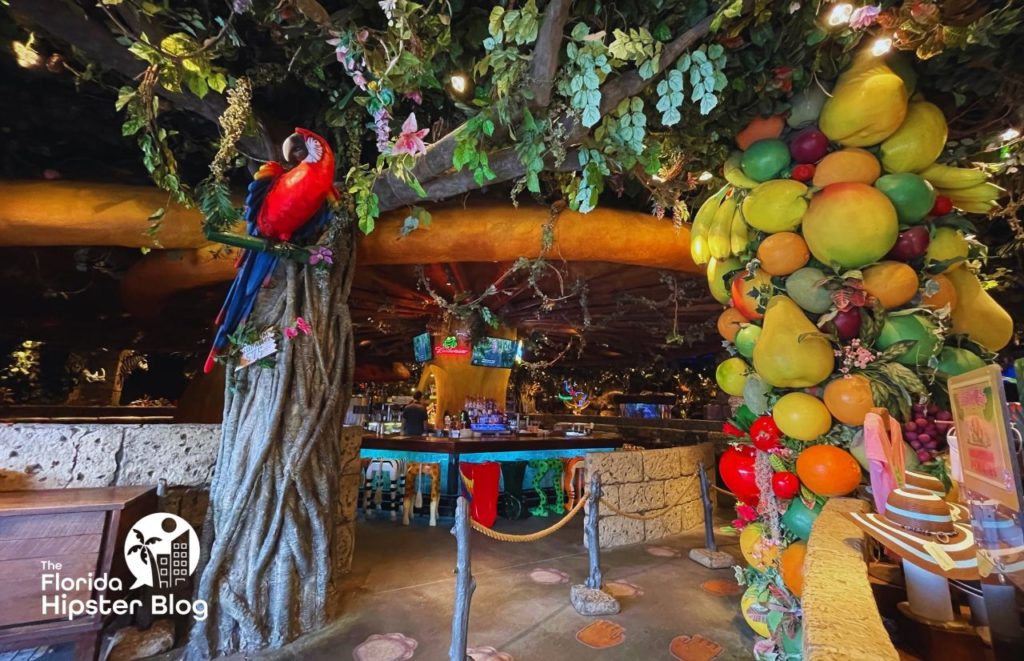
281,205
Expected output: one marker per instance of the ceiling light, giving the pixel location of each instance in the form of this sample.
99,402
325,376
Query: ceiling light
881,46
1009,134
840,14
459,83
705,176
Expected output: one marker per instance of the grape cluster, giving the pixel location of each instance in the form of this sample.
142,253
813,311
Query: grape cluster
926,431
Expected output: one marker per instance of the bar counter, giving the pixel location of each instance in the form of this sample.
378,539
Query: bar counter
450,452
498,443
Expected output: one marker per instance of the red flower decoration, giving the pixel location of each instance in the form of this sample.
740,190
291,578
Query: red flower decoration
732,430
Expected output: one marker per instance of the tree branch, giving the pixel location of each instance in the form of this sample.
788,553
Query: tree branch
63,21
392,192
504,163
544,65
438,158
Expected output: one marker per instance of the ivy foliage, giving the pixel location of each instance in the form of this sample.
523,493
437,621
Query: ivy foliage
587,67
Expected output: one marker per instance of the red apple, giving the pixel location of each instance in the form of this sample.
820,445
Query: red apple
847,323
910,244
808,145
785,485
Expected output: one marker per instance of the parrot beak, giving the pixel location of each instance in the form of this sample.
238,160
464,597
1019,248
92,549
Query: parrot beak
294,149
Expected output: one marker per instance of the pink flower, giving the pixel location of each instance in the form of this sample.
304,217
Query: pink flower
415,96
303,325
291,333
410,140
359,79
864,17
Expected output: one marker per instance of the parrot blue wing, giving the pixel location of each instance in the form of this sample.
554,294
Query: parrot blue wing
253,270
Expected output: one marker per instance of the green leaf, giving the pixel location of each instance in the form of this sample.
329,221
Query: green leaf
124,96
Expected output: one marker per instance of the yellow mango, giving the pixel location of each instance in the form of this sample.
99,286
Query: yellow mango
918,141
777,205
868,104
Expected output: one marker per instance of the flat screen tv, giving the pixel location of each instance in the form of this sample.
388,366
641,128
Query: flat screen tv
422,348
495,352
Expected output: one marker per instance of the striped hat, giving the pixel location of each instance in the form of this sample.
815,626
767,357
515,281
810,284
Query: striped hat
924,481
924,529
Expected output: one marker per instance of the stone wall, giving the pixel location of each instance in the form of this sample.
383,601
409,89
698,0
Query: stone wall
841,620
62,456
642,481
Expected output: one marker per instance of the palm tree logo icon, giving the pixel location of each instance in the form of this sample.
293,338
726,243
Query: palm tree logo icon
162,551
143,548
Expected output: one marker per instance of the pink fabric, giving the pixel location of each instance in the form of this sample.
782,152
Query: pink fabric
884,452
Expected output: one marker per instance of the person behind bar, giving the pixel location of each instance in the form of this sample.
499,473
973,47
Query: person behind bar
414,416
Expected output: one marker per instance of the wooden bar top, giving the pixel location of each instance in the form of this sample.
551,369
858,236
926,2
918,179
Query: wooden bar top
510,443
56,501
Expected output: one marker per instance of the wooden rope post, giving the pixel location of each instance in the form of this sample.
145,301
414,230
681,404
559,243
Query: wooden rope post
709,556
465,584
709,524
594,579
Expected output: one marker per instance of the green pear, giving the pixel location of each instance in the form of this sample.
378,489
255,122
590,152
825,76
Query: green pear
791,352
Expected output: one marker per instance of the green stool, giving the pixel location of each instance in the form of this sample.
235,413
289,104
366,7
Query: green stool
541,468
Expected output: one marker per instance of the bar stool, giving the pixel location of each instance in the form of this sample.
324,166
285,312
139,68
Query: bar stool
381,475
541,468
574,479
414,472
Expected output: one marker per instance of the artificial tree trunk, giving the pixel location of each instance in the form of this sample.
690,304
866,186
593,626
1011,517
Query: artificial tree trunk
271,562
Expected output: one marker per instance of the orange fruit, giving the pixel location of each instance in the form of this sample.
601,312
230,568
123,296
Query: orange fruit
783,253
729,323
946,294
792,569
760,128
892,283
850,164
849,399
827,470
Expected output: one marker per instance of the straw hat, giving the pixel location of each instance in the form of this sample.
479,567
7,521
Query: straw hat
921,527
924,481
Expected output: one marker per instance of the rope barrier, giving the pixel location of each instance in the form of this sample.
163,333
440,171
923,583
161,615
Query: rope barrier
534,536
721,490
558,525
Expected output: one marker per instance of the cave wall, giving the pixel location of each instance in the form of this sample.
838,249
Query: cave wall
66,456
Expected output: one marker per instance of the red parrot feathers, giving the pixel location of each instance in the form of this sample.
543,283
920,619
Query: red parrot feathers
281,205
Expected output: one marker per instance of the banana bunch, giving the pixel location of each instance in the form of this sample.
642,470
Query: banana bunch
980,198
968,188
734,174
719,229
952,178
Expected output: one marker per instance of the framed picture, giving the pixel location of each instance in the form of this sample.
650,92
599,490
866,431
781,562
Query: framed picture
983,435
